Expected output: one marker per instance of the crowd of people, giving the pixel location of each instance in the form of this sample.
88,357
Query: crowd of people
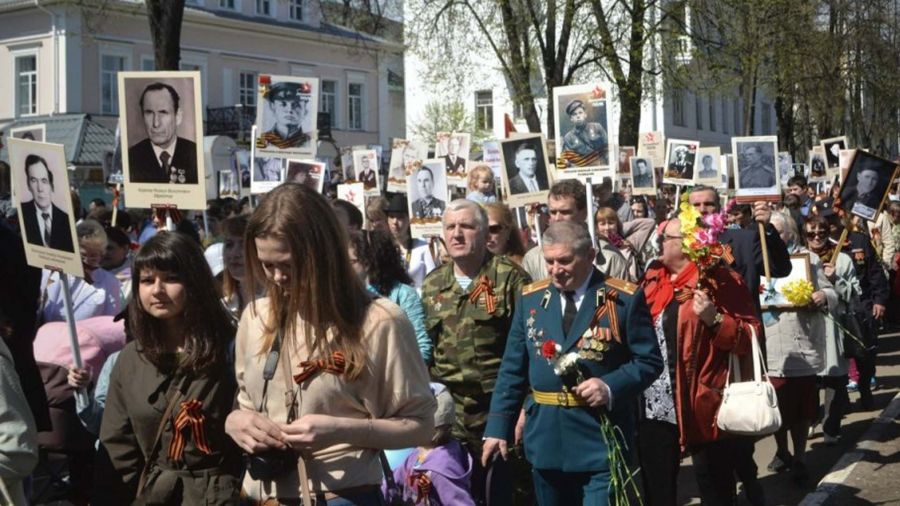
306,350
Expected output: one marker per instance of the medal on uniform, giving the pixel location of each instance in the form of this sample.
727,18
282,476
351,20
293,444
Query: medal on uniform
546,300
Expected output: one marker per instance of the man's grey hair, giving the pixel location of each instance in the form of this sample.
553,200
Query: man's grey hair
574,234
481,218
788,225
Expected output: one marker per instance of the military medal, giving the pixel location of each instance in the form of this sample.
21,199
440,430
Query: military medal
546,300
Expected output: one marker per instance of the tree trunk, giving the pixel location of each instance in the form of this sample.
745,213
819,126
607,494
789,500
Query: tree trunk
165,30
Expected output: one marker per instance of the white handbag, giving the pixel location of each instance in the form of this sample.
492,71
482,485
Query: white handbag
749,408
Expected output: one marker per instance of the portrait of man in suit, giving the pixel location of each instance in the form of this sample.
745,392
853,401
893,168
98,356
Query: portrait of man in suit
45,224
427,205
367,174
163,156
866,184
456,165
528,179
707,168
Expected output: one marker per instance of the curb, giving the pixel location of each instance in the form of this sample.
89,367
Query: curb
844,467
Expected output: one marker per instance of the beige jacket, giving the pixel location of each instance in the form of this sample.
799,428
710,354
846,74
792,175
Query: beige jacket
18,446
394,384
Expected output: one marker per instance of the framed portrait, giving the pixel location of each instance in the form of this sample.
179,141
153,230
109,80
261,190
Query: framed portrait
526,176
228,185
817,171
306,172
681,156
492,155
832,148
241,162
161,127
286,113
867,185
36,133
772,295
624,154
267,173
785,167
707,171
755,175
406,156
427,190
365,161
40,182
580,123
355,194
346,155
652,145
643,177
453,148
845,158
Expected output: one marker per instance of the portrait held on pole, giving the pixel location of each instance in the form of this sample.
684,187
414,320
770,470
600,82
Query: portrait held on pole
453,148
241,161
643,177
832,148
37,132
526,175
162,130
817,164
428,191
306,172
267,173
754,173
867,184
681,156
286,114
707,171
581,127
365,162
406,158
41,183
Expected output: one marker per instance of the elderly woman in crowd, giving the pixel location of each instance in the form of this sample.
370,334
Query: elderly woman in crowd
700,318
795,341
504,237
327,376
611,236
97,294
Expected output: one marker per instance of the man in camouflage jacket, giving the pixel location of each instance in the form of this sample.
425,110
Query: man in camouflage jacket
469,304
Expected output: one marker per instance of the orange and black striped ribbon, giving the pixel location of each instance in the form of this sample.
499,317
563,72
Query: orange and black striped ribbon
190,417
485,286
608,309
335,366
576,159
684,294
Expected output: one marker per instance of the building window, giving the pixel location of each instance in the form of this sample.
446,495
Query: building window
263,7
110,66
148,64
355,106
247,89
678,107
726,106
698,112
26,85
329,101
226,4
713,117
766,127
484,110
296,7
518,111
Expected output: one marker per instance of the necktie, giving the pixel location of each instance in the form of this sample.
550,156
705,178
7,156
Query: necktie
570,312
164,163
46,217
532,186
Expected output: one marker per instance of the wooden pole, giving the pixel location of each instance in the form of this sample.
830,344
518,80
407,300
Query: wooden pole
765,251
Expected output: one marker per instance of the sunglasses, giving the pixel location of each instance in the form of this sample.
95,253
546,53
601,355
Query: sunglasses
495,229
816,233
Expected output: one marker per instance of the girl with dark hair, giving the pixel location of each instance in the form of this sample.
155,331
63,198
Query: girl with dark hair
344,377
172,449
376,260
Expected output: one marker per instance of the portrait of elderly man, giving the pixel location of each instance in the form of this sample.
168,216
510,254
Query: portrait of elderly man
367,174
163,156
586,139
427,205
287,103
864,189
681,164
753,170
642,174
528,179
45,224
455,164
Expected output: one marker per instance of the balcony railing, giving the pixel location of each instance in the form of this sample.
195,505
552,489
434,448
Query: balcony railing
234,121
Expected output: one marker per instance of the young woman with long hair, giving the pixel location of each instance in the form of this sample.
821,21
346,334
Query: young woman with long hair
162,435
349,379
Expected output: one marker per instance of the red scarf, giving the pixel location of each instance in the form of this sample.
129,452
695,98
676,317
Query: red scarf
660,289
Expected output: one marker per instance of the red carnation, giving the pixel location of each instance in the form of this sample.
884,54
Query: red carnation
548,349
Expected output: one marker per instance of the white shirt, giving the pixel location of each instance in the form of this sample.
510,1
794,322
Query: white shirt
579,295
40,219
531,183
158,151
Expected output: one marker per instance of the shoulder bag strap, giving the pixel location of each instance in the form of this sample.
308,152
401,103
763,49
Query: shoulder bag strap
290,402
173,397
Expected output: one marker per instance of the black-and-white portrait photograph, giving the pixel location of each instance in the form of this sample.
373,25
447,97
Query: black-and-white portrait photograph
267,173
867,185
406,157
707,170
286,114
427,197
453,148
624,154
365,161
526,170
785,166
832,148
755,160
241,162
36,132
228,185
581,126
681,156
817,164
162,136
643,179
307,172
41,182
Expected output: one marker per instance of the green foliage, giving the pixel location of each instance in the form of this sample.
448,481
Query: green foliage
448,116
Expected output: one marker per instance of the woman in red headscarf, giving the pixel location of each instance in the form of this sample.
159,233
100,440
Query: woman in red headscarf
701,314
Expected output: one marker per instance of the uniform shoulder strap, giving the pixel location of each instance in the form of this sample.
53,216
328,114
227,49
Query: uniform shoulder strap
534,287
622,285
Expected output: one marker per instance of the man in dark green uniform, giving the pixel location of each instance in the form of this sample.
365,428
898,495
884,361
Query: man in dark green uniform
606,323
469,303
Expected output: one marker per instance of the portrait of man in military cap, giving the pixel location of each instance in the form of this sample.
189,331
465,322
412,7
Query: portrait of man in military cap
427,188
286,114
580,125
